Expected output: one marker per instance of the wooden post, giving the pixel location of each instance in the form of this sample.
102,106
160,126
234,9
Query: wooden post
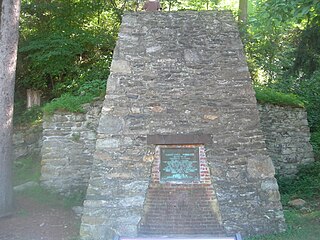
33,98
243,11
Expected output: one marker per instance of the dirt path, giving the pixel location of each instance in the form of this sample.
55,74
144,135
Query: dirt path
34,221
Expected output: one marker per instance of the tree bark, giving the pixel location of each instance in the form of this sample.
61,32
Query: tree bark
9,32
0,10
243,11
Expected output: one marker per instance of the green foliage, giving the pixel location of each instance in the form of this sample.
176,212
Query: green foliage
31,116
315,141
94,87
202,4
87,92
44,55
283,46
62,42
305,185
281,36
170,4
307,60
268,95
195,5
67,102
309,89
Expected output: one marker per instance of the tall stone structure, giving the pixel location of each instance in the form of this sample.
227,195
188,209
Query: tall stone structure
179,149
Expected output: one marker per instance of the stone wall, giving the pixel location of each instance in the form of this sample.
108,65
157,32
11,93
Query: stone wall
287,137
67,151
176,74
27,141
285,128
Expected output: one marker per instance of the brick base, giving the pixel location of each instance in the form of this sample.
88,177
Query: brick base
174,208
180,209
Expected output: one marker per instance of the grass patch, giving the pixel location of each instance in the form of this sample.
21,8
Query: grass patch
68,102
25,170
46,197
300,226
268,95
23,212
305,185
315,141
29,169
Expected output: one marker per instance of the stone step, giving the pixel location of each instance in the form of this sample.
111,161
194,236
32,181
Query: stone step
236,237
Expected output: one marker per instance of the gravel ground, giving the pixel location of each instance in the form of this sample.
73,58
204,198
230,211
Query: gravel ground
34,221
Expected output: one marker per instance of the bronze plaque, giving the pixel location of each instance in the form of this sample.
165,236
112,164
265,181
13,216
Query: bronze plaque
179,165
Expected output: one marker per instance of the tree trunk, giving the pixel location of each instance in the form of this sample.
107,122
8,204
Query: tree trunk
243,11
9,24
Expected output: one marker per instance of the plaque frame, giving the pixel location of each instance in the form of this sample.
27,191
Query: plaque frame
179,165
204,167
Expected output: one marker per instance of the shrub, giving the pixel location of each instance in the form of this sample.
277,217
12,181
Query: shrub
305,185
30,116
268,95
315,141
67,102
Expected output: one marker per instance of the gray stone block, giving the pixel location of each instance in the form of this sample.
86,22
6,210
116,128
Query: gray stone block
110,125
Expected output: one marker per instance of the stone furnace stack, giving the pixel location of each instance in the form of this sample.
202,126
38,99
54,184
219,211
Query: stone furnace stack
179,149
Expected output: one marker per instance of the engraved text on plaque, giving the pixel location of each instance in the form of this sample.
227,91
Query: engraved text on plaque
179,165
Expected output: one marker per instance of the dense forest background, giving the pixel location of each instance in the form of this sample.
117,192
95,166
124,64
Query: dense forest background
65,49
